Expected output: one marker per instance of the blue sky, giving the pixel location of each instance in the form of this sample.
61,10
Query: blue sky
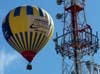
46,61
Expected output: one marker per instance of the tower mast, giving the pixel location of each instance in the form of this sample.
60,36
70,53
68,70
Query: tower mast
77,39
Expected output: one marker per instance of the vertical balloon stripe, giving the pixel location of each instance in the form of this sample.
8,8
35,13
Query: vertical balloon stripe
15,41
26,38
18,48
22,38
11,38
47,17
36,11
17,11
51,32
44,43
41,46
40,43
23,11
52,24
40,40
19,41
41,12
40,36
13,44
29,10
34,40
31,34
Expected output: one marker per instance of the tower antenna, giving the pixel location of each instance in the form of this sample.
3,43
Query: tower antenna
77,39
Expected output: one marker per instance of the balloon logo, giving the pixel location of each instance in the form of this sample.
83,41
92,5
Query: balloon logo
27,29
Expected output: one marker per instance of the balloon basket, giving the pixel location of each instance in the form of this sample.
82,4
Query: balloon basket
29,67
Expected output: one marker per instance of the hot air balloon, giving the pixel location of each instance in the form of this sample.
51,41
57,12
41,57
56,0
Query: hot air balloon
27,29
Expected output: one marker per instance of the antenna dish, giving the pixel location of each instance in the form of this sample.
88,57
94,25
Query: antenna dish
59,16
59,2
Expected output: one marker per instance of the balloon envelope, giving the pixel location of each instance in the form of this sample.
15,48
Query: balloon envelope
27,29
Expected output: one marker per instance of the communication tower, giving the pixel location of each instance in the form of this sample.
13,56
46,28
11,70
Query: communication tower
77,39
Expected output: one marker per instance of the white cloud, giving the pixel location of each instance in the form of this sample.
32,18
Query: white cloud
6,59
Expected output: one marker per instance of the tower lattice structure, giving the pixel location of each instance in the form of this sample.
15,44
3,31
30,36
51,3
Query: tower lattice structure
77,39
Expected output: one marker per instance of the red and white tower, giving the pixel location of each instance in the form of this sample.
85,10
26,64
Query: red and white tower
77,39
